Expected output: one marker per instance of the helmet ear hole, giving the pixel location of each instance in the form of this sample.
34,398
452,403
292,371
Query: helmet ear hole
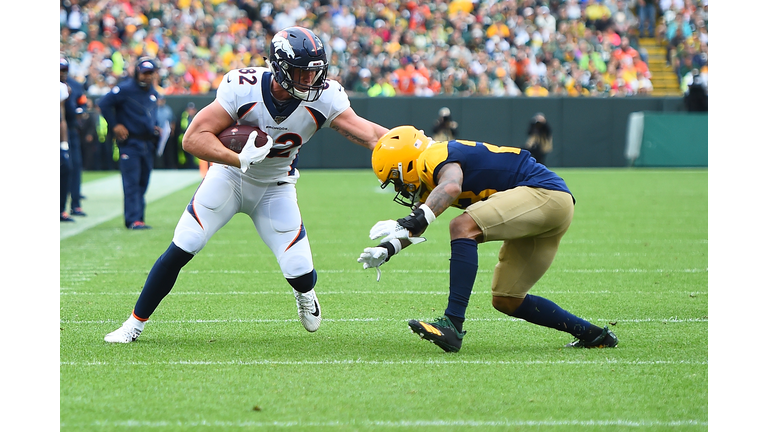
410,166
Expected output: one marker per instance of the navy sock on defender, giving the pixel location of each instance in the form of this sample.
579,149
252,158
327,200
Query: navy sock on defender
543,312
161,279
462,279
305,282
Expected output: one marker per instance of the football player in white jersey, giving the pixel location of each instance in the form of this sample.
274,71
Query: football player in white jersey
290,100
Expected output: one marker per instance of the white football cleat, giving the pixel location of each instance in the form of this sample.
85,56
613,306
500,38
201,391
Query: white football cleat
127,333
309,310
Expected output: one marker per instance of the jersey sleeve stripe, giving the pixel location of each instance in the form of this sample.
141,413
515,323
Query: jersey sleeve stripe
317,116
245,109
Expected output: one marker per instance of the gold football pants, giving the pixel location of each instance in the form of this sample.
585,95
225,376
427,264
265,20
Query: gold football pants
530,222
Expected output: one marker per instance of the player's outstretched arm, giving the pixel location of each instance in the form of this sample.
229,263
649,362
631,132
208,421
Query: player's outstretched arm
360,131
201,138
401,233
446,192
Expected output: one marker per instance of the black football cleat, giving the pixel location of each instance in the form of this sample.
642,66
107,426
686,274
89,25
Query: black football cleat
441,333
77,212
606,340
139,226
64,217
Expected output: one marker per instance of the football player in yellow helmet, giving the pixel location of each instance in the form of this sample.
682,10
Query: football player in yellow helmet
507,196
394,161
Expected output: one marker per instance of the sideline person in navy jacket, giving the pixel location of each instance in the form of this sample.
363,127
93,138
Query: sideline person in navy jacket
130,109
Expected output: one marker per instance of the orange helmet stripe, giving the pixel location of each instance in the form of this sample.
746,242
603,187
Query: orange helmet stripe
309,36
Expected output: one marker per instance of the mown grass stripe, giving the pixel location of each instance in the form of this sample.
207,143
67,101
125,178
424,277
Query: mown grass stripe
383,362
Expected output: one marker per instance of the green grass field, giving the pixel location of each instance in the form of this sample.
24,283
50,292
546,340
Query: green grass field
225,350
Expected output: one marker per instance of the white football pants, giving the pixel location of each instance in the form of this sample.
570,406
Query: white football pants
272,208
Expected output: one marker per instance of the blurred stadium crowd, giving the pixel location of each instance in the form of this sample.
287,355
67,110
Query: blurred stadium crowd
394,47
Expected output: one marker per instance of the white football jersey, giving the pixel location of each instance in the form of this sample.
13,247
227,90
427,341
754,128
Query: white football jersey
245,94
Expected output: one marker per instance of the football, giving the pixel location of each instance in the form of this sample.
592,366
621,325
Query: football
235,137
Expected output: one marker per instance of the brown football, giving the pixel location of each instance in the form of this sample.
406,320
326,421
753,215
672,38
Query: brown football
235,137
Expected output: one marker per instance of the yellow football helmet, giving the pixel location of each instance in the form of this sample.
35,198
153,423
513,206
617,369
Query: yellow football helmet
394,161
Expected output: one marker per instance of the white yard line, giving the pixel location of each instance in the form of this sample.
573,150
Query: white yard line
173,424
79,269
377,293
356,320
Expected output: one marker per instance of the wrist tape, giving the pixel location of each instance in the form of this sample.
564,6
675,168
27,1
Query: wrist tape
393,247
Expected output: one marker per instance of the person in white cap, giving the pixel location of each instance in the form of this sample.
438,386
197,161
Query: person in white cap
546,23
364,83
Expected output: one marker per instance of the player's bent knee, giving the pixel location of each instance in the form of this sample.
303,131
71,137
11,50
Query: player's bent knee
294,265
188,240
463,226
506,305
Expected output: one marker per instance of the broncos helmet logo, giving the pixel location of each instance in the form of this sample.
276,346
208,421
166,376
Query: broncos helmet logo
282,44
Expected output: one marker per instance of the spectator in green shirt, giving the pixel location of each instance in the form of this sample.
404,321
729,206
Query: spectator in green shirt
382,88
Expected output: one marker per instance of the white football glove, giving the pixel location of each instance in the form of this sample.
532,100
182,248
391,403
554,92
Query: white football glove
251,154
392,230
373,258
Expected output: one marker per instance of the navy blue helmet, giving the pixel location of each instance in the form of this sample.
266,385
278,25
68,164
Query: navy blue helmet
296,51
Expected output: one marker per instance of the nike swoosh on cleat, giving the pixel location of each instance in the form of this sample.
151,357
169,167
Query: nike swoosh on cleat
317,310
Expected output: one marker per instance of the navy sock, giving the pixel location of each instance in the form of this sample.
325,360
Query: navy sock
543,312
305,282
463,270
160,280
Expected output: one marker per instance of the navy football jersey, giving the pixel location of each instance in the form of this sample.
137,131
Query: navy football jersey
487,169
